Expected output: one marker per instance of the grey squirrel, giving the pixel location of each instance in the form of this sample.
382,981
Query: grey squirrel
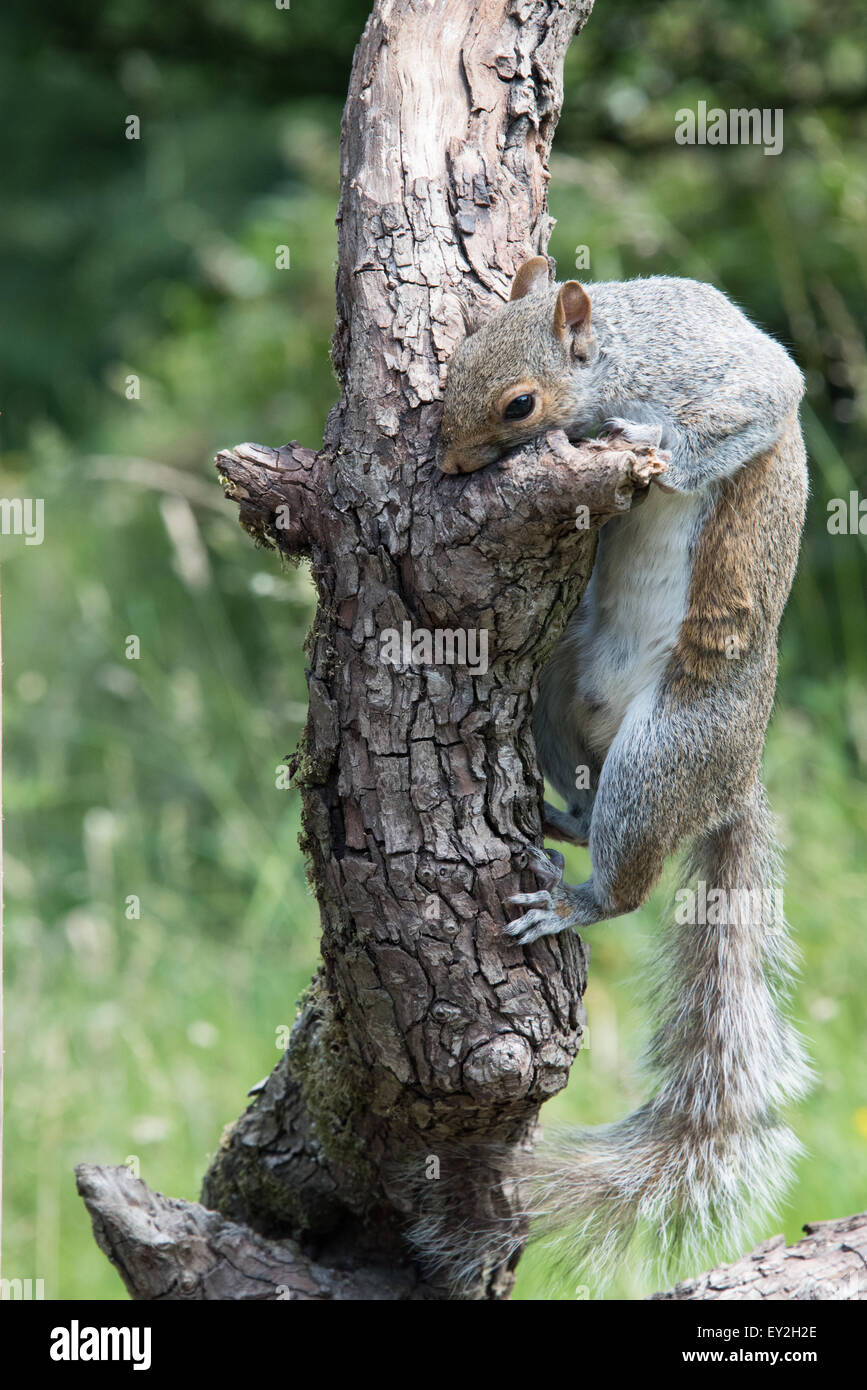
655,702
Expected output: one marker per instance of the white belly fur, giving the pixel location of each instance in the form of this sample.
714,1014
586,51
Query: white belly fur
629,619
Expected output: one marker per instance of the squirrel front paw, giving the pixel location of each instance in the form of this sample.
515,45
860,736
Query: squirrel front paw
646,436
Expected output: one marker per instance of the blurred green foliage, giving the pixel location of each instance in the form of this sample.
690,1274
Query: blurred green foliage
155,777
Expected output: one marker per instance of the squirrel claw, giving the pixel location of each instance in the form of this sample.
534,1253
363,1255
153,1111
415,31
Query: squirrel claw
647,436
541,899
547,865
539,921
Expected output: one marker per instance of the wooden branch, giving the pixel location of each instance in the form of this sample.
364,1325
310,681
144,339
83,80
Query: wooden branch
525,499
830,1263
277,491
169,1250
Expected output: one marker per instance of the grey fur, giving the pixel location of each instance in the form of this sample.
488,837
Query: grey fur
659,350
672,750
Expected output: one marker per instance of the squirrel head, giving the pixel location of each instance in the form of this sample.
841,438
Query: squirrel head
519,374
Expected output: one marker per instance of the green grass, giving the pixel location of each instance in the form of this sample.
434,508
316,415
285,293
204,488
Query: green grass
155,778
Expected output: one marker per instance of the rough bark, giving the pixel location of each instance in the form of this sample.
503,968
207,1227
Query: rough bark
830,1263
428,1040
167,1250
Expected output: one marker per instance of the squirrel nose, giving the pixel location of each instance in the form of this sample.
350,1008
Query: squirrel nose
445,458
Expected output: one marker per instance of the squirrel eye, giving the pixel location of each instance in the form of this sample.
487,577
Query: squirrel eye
519,408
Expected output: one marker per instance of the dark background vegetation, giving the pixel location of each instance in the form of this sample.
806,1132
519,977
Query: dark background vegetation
138,1038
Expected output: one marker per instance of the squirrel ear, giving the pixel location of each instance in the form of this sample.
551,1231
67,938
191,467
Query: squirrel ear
572,311
531,277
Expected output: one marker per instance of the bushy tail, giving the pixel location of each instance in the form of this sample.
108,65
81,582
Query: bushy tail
698,1163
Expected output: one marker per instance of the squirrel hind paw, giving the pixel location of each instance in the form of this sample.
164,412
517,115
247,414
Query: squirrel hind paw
571,826
547,865
541,899
543,920
553,911
548,906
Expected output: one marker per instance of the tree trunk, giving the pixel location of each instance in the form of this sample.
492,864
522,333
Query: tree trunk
428,1040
